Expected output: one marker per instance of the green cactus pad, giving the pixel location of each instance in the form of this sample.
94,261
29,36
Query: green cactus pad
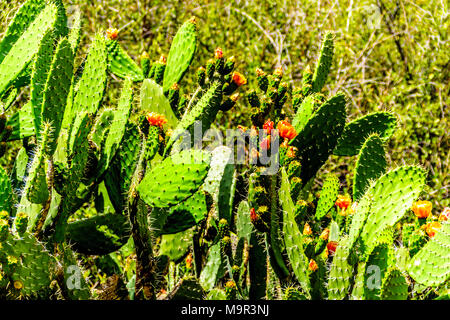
180,55
257,267
92,84
220,181
293,236
176,245
341,272
153,100
26,46
172,181
216,294
319,136
371,165
377,265
34,267
356,132
328,196
57,91
358,287
6,193
121,64
119,174
214,268
74,35
244,226
324,62
22,123
24,16
39,77
358,220
304,113
204,112
187,288
99,235
431,265
36,189
77,287
186,214
392,195
394,286
117,127
19,171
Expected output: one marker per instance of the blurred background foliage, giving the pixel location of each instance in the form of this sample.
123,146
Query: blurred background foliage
389,55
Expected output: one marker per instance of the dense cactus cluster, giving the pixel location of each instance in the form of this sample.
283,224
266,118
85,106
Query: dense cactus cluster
111,192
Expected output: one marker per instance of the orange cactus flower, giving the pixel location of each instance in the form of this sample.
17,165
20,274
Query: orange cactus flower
286,130
218,54
422,209
432,228
265,143
156,119
112,33
313,265
343,202
307,231
238,79
268,126
445,215
331,246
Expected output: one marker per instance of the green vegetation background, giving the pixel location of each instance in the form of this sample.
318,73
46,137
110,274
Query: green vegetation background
390,55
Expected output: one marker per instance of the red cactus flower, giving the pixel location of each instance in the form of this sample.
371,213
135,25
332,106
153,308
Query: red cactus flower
238,79
112,33
156,119
422,209
253,215
331,246
343,202
268,126
286,130
445,215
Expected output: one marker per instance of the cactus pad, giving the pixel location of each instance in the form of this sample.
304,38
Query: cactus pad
355,132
